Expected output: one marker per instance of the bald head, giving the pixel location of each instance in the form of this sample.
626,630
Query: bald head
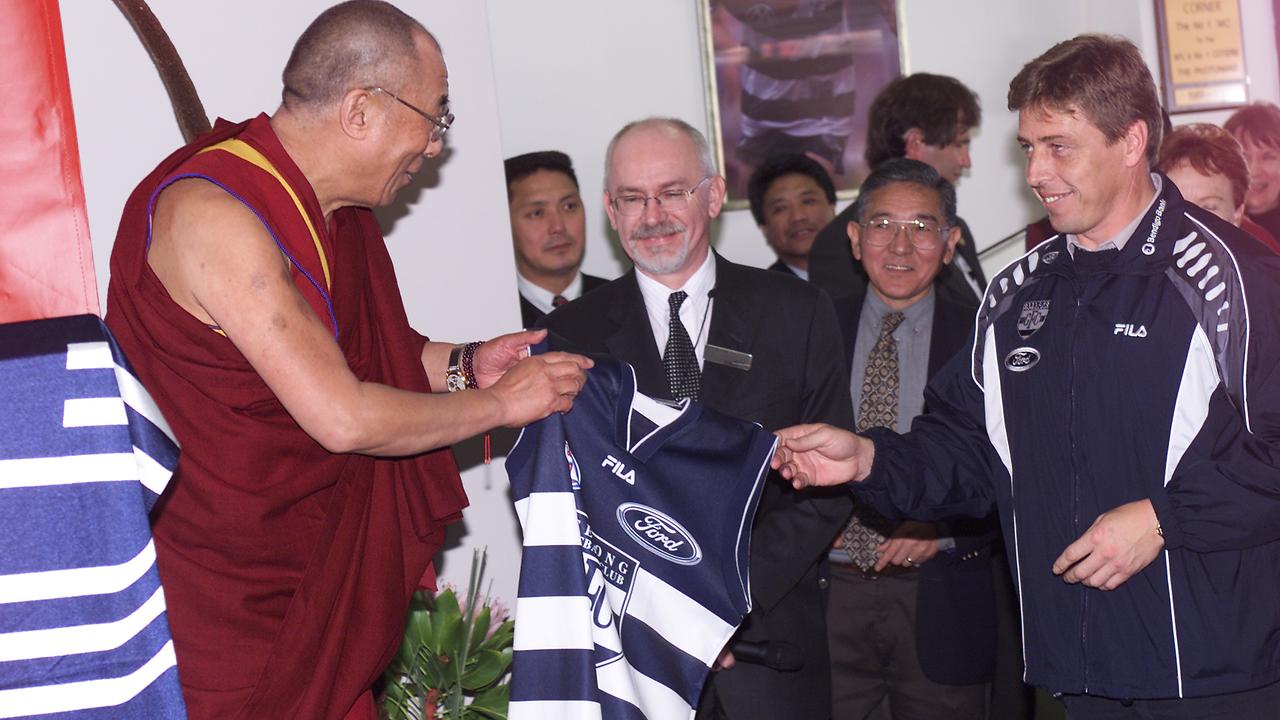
356,44
665,125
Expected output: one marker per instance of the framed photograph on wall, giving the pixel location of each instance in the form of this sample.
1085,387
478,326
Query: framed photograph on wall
786,76
1201,55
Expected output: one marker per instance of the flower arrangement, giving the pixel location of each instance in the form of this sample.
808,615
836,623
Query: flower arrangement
454,657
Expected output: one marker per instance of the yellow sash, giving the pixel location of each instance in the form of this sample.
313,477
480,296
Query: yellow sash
246,152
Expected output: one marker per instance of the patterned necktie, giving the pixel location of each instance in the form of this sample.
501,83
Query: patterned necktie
879,408
558,300
678,360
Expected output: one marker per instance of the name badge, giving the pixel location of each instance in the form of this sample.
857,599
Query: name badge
725,356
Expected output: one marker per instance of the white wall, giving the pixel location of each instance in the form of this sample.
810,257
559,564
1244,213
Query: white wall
563,74
571,72
451,247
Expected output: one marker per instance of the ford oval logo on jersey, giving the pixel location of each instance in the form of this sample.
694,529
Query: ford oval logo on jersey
1022,359
659,534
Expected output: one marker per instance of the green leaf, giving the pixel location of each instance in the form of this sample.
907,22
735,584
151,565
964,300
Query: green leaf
432,671
391,702
492,703
488,666
501,638
418,628
479,629
446,605
449,638
401,704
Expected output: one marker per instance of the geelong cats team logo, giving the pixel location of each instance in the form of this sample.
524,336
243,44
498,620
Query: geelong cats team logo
1034,313
575,474
658,533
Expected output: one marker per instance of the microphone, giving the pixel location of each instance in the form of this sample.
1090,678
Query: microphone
781,656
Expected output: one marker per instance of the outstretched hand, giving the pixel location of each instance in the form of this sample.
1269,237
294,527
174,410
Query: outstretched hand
1119,544
537,386
496,356
821,455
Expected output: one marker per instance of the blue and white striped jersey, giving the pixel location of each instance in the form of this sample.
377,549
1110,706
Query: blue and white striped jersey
636,519
84,455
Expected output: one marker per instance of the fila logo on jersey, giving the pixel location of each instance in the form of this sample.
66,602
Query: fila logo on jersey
1138,331
619,470
659,533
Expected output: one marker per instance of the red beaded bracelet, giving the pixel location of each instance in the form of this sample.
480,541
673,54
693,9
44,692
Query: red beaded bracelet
468,364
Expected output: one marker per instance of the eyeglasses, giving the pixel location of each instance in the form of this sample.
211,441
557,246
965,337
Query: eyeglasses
671,200
441,124
925,235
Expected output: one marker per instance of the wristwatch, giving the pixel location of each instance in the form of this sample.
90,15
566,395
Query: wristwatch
455,379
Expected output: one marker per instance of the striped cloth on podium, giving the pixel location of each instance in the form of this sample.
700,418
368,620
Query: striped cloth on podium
84,456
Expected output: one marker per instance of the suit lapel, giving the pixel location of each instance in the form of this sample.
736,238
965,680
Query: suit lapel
632,338
731,328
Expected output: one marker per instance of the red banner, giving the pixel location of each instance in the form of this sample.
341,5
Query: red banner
46,259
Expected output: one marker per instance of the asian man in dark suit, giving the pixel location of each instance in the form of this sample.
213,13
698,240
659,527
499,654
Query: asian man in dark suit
911,612
549,231
751,343
792,198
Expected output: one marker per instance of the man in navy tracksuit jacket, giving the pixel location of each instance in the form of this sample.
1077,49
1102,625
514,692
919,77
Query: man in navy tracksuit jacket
1120,404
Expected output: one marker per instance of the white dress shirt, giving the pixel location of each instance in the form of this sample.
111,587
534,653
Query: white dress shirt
695,313
542,298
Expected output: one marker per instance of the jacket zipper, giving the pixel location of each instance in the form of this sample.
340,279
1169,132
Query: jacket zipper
1075,478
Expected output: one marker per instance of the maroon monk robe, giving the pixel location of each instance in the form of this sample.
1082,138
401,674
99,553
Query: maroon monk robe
287,568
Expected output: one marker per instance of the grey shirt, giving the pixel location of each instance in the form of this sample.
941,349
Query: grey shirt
913,337
1118,242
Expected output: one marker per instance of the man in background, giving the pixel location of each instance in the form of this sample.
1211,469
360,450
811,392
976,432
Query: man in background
548,230
923,117
911,610
792,198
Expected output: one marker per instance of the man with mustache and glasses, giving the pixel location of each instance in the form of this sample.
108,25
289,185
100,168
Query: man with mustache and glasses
792,198
750,343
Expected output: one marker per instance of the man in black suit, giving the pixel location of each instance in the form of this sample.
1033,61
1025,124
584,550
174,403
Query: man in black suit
792,198
922,117
911,614
750,343
549,230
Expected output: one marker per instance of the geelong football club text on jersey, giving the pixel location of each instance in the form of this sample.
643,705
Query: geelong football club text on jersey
636,518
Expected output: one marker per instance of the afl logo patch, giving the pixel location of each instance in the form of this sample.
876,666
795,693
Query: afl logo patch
658,533
1022,359
1034,313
